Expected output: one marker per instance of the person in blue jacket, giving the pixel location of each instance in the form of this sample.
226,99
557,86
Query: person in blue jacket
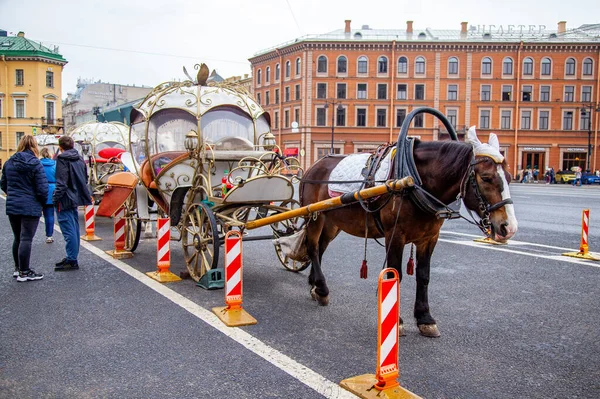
50,168
26,187
71,192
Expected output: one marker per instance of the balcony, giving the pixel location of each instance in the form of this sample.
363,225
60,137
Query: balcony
460,131
51,125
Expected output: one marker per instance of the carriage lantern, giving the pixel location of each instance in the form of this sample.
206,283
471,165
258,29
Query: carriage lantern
191,141
85,147
269,141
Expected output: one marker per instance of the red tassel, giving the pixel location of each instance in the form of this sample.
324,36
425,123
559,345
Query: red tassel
363,269
410,267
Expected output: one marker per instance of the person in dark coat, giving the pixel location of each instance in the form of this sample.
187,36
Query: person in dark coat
50,168
71,192
26,187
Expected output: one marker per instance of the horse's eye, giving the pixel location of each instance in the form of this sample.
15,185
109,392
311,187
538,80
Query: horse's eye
487,179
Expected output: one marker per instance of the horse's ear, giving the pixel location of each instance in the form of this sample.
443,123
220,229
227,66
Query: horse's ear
493,141
472,137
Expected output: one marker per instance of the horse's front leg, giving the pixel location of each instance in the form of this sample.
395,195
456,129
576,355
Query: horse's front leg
425,322
319,290
394,260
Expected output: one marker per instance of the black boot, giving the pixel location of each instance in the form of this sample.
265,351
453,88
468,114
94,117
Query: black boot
68,265
61,263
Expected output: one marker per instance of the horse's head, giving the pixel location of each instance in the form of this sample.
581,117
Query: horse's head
486,189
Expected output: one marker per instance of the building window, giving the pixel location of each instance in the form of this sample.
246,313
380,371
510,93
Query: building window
276,119
569,94
298,63
525,119
276,96
527,67
586,94
322,64
258,77
452,92
286,118
506,92
19,77
0,140
258,98
545,93
568,120
50,111
527,90
486,92
361,117
452,66
288,69
584,122
382,65
340,116
544,120
277,72
320,116
418,120
342,65
402,92
507,66
267,98
420,66
0,108
341,90
297,115
361,91
570,67
588,65
287,94
267,74
19,136
297,92
451,114
505,117
321,90
484,119
323,151
381,117
19,108
381,91
363,64
400,117
419,92
486,66
49,79
402,65
546,66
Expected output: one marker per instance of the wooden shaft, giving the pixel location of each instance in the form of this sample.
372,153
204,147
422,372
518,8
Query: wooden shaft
336,202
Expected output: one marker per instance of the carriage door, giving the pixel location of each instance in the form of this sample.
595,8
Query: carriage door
534,161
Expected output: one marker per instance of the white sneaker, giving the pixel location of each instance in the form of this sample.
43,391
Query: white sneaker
49,240
16,274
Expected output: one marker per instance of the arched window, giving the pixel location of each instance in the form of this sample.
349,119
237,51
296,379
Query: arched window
267,74
507,66
277,72
382,64
588,66
288,69
258,77
342,64
322,64
420,65
453,66
546,66
528,66
402,65
363,64
570,67
486,66
298,66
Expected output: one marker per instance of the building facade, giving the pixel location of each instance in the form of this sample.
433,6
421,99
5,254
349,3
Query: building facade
30,90
351,89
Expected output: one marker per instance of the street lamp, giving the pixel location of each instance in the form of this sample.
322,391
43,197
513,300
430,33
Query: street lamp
584,113
339,108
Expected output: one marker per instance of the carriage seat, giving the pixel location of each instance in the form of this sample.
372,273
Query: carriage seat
158,161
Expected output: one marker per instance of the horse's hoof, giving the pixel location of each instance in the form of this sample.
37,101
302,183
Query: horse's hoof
429,330
401,332
321,300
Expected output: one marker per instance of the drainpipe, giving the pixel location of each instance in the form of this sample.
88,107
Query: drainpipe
597,106
6,106
281,74
517,118
392,91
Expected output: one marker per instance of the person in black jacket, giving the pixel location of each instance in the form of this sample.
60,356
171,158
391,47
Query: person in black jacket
26,187
71,191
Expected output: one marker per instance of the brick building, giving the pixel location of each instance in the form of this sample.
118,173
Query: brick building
537,89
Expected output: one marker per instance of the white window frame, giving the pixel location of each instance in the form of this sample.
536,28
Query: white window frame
530,110
540,110
387,122
322,74
501,110
358,73
366,108
366,91
24,107
337,60
407,66
512,72
574,76
489,126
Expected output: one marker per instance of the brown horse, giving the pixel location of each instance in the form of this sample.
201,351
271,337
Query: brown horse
449,170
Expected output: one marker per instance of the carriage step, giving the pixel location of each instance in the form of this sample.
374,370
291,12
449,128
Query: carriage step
212,279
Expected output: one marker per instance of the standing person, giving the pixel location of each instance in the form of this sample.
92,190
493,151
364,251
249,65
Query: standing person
71,191
577,181
26,187
50,168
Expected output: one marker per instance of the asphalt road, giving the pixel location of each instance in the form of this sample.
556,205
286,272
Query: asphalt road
517,321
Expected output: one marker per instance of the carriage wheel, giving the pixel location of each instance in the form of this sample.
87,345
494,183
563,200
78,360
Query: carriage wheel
133,226
286,228
200,240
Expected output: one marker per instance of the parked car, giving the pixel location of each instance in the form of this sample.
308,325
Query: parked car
590,178
565,176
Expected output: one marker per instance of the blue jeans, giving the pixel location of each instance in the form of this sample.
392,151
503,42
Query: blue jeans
68,220
49,219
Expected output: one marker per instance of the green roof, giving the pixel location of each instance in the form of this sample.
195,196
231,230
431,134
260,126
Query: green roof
19,46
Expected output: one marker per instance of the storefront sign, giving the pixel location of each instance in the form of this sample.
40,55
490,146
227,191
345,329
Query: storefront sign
508,29
576,150
534,149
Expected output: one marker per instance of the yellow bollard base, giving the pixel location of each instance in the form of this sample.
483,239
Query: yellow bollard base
120,254
364,387
234,317
581,255
163,277
488,240
92,237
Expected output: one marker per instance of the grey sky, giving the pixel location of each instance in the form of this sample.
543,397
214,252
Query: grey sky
98,37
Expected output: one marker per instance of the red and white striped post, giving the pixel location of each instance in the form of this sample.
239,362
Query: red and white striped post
385,381
119,227
89,212
233,314
163,253
584,246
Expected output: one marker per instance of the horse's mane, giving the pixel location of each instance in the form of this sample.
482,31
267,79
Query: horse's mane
453,157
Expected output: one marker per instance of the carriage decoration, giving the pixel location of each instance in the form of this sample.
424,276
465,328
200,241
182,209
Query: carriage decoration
48,141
